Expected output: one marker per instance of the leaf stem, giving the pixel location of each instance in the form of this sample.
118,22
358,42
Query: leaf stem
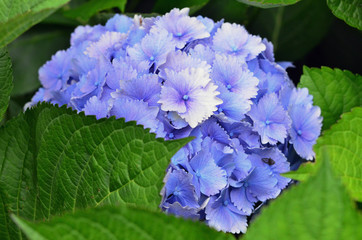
277,27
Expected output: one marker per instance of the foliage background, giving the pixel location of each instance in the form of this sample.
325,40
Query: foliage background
326,205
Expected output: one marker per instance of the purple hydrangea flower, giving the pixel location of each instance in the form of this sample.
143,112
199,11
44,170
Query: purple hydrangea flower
153,48
96,107
136,110
203,52
86,34
121,71
119,23
233,39
223,215
146,88
179,188
56,72
273,77
233,105
182,27
234,76
259,184
273,159
208,178
214,131
191,94
109,46
182,76
306,128
178,61
177,209
270,119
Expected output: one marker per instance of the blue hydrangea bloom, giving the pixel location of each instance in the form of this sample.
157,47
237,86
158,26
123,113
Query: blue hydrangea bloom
177,209
208,178
182,76
109,46
270,119
233,39
86,34
306,127
178,61
273,159
179,188
119,23
121,71
229,72
251,183
56,72
136,110
223,215
182,27
146,88
96,107
153,48
191,94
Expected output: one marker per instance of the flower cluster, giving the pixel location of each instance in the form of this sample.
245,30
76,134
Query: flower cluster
189,76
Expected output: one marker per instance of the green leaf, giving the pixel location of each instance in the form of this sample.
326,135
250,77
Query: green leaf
349,11
27,59
319,209
303,173
268,3
85,11
7,227
163,6
6,81
118,223
17,16
344,145
54,160
334,91
294,30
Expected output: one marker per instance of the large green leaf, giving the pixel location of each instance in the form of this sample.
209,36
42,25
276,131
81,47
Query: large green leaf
27,58
349,11
6,81
344,145
334,91
54,160
118,223
163,6
17,16
294,30
268,3
85,11
7,227
319,209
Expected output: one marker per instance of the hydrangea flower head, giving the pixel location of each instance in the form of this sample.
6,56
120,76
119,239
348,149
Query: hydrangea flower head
191,94
233,39
183,76
182,27
223,215
305,130
270,119
153,48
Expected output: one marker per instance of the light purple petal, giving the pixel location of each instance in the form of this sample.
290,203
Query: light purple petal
135,110
210,177
221,215
96,107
